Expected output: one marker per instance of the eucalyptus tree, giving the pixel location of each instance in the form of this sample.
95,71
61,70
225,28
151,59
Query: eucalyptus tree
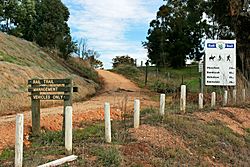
234,17
176,33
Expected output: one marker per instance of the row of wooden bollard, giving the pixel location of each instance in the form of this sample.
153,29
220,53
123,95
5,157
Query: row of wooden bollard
68,120
162,108
225,98
108,121
68,130
213,98
201,99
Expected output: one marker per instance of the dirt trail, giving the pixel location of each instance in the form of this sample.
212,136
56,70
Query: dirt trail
116,91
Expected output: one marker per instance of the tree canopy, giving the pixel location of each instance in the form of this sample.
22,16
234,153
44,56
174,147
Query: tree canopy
181,26
233,17
123,60
40,21
176,32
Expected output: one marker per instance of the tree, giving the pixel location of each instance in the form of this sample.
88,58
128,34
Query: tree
122,60
8,15
234,16
67,46
88,54
82,48
51,24
26,20
94,62
41,21
176,33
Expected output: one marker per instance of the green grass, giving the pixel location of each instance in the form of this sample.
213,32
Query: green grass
6,154
90,133
166,80
7,58
128,71
109,157
47,139
12,59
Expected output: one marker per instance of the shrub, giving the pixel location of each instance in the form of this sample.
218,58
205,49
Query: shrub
128,71
163,87
83,68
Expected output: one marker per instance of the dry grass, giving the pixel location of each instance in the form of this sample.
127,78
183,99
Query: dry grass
20,61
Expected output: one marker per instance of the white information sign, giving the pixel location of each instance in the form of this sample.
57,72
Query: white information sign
220,62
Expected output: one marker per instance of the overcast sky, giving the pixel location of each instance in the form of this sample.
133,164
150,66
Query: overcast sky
112,27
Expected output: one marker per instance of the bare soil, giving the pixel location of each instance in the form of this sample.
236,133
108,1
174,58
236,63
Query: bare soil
236,119
117,91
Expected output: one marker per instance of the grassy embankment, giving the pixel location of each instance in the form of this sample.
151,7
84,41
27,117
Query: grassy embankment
168,80
21,60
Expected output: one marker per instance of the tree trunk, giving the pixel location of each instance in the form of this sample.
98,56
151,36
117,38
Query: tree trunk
244,55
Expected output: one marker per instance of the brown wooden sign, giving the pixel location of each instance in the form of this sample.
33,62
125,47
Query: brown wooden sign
49,89
48,81
45,86
50,97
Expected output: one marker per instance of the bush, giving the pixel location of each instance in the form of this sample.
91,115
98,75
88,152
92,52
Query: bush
122,60
163,87
128,71
83,68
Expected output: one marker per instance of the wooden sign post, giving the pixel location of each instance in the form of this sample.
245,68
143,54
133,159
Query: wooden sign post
39,91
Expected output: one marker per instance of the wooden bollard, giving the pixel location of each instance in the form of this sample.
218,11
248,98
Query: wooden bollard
136,113
183,98
68,130
213,99
225,97
162,104
200,100
19,141
107,122
234,96
60,161
243,95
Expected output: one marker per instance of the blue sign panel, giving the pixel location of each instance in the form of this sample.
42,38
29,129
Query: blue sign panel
229,45
211,45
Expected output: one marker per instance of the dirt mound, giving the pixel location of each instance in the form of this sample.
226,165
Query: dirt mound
157,136
236,119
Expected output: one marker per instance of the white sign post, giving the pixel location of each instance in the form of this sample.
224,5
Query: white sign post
200,68
220,62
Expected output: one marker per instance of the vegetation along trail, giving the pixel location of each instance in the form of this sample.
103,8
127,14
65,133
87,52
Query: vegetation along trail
118,91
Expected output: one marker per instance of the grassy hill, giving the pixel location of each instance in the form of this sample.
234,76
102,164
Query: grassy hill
21,60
